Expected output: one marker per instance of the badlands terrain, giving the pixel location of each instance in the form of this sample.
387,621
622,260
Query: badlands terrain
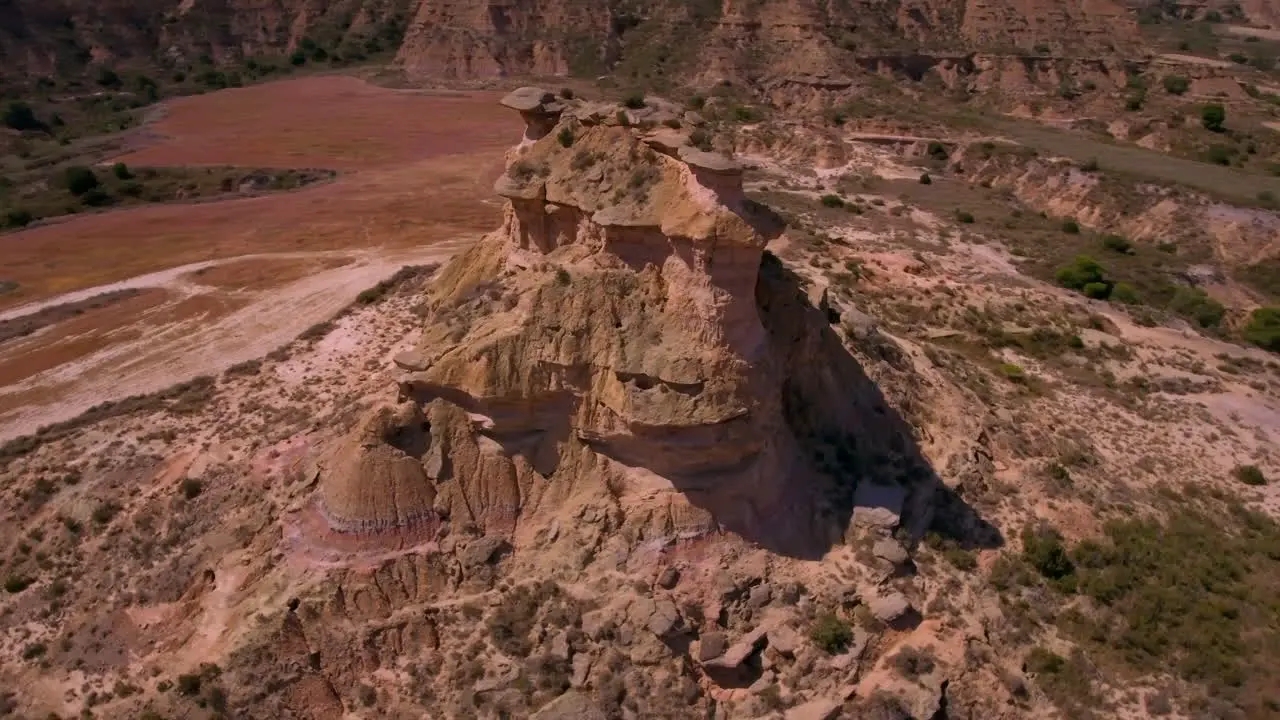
787,359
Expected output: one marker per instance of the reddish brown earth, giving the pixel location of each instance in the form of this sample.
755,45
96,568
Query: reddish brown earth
421,168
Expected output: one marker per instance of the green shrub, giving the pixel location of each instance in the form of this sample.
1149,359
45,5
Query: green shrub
1125,293
1091,165
964,217
19,116
191,488
1212,116
1071,227
15,584
832,201
697,102
1043,550
17,218
1096,290
1014,372
1117,244
744,114
79,180
1081,273
1195,304
831,634
635,101
1042,661
563,277
121,171
566,93
298,58
1176,84
189,684
1263,328
913,662
938,151
960,558
1220,154
565,137
33,651
1250,475
925,179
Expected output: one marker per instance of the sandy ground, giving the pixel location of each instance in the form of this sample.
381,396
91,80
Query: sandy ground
234,280
430,179
188,344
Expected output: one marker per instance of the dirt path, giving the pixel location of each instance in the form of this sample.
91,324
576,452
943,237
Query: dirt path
200,345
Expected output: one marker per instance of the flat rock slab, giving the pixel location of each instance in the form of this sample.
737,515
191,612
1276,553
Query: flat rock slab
878,505
814,710
572,705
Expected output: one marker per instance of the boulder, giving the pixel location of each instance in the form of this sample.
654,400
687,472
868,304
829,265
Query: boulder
665,618
785,640
572,705
878,506
814,710
483,550
890,550
712,645
890,608
668,578
741,650
760,596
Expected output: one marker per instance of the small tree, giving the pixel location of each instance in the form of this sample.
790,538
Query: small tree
79,179
1071,227
635,101
1117,244
1212,116
925,179
832,201
121,171
565,137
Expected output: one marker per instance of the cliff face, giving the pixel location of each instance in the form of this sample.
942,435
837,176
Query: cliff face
652,41
659,39
623,339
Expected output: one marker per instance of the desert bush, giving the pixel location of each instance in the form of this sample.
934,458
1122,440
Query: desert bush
121,171
189,684
15,584
635,101
1043,550
700,139
19,116
1250,475
913,662
1071,227
937,151
1117,244
1125,293
191,488
1176,84
565,137
960,558
33,651
832,201
745,114
1263,328
1195,304
925,179
1212,117
1082,272
964,217
1016,373
79,179
566,93
1220,154
831,634
17,217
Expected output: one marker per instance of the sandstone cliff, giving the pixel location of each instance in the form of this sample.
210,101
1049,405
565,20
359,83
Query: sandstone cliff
618,338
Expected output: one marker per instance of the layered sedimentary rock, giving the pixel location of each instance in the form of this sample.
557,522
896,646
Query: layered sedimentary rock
621,335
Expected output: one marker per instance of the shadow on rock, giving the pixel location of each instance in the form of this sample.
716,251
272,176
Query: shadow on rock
857,464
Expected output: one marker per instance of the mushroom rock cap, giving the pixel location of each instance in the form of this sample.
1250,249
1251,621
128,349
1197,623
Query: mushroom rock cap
372,479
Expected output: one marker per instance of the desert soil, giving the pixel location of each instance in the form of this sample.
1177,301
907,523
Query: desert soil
232,280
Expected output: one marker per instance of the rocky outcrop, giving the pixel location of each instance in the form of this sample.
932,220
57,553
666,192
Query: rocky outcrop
623,335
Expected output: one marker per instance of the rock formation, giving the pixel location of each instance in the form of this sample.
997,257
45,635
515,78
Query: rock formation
616,337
